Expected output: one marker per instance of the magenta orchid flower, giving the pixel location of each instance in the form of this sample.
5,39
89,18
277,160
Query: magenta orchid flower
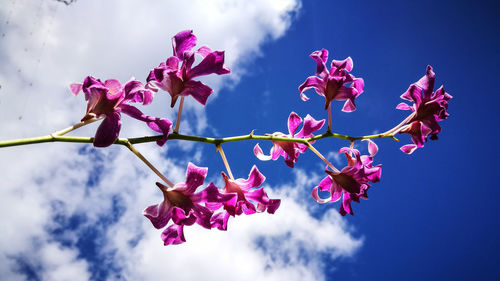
335,84
247,196
291,150
178,81
184,207
109,100
351,183
428,108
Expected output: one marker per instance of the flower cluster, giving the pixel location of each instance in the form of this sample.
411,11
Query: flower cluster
183,206
209,206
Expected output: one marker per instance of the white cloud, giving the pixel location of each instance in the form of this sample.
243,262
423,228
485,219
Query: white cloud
44,187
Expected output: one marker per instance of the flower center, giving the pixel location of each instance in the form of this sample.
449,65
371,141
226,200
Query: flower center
180,200
347,182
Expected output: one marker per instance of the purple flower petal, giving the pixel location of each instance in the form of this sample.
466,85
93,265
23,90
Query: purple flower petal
310,126
159,215
404,106
409,148
294,122
346,64
212,63
320,58
173,235
195,176
182,42
198,90
108,130
426,83
159,125
312,82
75,88
220,220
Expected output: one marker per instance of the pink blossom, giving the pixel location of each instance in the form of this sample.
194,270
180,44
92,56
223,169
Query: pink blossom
184,207
351,183
428,108
178,81
335,84
110,98
291,150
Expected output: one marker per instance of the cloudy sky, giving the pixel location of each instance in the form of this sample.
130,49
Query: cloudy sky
72,212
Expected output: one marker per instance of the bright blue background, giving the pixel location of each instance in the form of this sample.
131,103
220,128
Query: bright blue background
434,214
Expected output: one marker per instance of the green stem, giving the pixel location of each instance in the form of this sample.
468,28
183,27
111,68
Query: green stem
173,136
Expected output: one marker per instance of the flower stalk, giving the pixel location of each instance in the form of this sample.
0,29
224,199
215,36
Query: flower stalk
179,113
224,159
76,126
311,147
153,168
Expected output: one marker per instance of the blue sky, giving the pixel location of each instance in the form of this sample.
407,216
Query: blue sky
431,217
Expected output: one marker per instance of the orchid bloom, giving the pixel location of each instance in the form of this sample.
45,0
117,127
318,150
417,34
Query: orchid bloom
184,207
178,81
247,196
109,99
428,108
351,183
291,150
335,84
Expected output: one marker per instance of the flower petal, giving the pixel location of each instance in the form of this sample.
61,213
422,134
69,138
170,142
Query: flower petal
310,126
426,83
294,122
312,82
404,106
197,90
346,64
75,88
160,125
173,235
182,42
212,63
260,155
409,148
320,57
108,130
159,215
195,176
219,220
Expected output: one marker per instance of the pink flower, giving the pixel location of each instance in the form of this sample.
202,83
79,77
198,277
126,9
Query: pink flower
178,81
184,207
428,108
336,84
109,99
291,150
351,183
246,199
